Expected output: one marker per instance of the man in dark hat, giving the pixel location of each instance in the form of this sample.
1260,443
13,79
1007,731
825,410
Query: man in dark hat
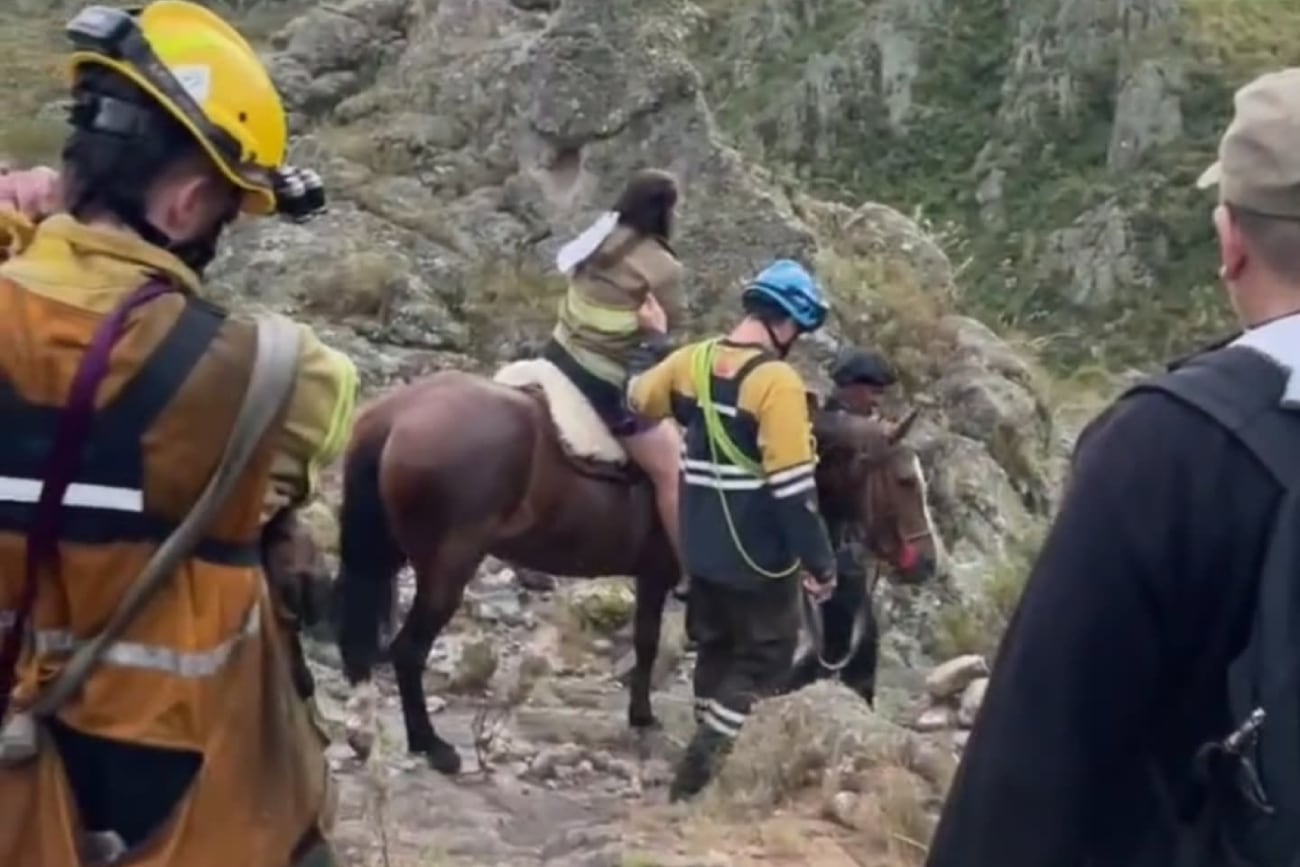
861,378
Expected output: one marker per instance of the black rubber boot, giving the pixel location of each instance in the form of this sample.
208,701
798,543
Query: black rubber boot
696,768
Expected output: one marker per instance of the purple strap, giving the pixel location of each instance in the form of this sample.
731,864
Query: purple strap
61,467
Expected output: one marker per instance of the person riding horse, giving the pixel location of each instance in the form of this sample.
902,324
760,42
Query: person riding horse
187,726
624,295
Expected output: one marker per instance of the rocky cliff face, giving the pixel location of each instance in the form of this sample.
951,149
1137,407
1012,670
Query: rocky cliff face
1060,138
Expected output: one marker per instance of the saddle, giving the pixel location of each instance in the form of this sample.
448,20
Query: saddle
583,437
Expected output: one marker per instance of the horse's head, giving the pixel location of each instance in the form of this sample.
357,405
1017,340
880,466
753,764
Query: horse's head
868,475
296,570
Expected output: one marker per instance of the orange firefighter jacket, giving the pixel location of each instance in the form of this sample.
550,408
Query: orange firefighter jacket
196,673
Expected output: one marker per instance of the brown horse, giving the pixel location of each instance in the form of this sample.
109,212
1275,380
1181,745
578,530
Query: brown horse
452,467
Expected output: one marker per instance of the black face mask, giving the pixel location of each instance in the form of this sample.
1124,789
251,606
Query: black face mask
198,253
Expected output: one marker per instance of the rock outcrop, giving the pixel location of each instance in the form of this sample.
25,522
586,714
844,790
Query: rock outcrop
1060,137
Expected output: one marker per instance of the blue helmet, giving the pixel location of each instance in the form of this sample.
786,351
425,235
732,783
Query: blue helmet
788,285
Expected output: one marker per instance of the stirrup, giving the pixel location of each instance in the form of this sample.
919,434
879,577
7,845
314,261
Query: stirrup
18,739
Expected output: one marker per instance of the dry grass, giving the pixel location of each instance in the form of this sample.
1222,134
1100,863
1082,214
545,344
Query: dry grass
976,626
359,283
373,148
1246,37
884,302
32,76
796,756
475,667
585,612
506,300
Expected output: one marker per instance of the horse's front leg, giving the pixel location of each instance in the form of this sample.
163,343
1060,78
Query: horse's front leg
652,590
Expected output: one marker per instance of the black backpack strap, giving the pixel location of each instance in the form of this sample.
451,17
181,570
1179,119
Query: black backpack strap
1251,775
1225,384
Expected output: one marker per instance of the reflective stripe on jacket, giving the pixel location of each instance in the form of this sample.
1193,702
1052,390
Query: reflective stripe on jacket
598,324
197,672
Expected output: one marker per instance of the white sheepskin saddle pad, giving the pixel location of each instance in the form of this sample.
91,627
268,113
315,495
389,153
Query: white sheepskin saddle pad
582,433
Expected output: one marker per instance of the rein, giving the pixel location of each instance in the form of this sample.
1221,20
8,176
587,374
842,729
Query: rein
811,611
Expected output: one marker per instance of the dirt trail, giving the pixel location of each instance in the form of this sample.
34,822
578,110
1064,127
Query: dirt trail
396,803
568,783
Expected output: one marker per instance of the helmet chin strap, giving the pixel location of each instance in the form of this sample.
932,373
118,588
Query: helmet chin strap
782,349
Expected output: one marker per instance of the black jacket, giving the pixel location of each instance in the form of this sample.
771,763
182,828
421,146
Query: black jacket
1105,671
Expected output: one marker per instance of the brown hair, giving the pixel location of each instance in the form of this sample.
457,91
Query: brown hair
646,203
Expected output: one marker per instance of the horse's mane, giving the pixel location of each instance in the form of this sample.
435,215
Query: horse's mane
837,431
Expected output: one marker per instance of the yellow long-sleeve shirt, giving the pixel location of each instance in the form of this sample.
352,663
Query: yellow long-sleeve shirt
762,406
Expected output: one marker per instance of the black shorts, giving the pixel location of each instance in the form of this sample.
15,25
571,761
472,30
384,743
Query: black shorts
608,400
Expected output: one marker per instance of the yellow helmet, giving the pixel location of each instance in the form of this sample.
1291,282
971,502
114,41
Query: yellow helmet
208,78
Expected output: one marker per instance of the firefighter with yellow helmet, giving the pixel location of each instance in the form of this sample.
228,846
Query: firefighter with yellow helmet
185,745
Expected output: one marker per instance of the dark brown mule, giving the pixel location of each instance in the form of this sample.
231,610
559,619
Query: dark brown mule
450,468
868,477
867,474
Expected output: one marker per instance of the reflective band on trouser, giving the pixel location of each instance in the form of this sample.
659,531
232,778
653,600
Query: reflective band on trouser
793,481
701,708
191,665
722,719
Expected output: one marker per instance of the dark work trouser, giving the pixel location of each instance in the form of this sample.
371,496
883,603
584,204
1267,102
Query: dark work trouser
851,599
746,637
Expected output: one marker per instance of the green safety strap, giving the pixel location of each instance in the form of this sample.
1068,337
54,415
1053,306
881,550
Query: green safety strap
702,358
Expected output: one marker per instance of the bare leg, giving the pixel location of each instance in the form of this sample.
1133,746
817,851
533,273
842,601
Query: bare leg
657,452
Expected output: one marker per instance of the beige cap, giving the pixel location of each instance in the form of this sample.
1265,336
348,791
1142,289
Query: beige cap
1259,156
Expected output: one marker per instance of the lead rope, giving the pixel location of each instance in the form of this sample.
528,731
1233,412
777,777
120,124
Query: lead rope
814,622
701,372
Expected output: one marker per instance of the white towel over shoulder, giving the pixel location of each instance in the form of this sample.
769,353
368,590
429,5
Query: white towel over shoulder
574,253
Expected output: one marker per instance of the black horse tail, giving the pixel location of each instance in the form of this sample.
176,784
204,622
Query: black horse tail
369,559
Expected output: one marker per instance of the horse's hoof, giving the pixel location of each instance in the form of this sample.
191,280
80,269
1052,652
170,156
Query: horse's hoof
444,759
644,722
361,741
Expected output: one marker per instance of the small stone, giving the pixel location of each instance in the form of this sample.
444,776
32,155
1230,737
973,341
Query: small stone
585,768
971,699
948,679
936,718
548,762
602,645
841,809
537,582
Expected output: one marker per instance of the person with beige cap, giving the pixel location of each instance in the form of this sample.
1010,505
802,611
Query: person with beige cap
1144,708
